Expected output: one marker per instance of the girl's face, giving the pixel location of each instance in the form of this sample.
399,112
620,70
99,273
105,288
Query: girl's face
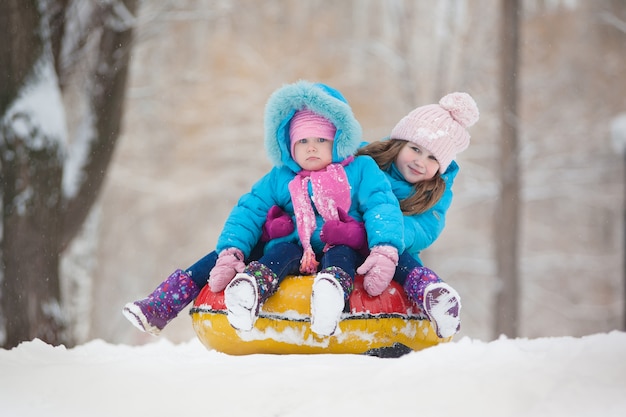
313,154
415,163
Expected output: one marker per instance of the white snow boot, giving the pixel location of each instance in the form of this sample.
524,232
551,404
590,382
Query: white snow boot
442,304
245,294
327,304
242,301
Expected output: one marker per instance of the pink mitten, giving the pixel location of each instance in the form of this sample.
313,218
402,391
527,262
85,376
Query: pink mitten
378,269
229,262
277,224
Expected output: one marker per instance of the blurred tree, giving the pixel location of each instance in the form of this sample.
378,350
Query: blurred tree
64,66
613,18
507,210
618,137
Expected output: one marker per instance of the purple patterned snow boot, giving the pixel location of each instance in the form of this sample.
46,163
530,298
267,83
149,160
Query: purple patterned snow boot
440,302
331,288
153,313
245,294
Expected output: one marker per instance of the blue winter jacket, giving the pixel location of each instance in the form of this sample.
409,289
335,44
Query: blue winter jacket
421,230
373,201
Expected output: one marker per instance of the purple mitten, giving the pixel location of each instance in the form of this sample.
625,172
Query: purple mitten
229,262
277,224
378,269
345,231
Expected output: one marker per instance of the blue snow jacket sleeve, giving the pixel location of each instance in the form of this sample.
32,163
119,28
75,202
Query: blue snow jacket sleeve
243,227
382,216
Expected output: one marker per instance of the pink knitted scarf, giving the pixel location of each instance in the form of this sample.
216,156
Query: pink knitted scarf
331,190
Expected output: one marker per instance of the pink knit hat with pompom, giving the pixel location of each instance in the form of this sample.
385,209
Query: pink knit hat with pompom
307,124
440,128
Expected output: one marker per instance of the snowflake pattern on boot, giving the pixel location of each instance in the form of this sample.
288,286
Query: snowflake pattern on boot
153,313
416,283
266,279
345,281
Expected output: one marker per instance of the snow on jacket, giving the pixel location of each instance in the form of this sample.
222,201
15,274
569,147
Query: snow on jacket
372,199
421,230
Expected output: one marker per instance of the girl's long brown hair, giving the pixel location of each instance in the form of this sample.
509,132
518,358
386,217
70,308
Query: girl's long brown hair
426,193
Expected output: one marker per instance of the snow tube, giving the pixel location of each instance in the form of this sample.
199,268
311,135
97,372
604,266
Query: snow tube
384,326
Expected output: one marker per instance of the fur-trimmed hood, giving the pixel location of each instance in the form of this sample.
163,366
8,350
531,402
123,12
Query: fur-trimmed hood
319,98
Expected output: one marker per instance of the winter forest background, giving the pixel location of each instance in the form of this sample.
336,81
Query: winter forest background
190,143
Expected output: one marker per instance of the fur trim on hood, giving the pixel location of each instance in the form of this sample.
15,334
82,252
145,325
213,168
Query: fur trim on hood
319,98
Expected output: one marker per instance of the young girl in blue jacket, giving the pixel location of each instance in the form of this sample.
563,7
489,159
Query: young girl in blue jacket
418,159
311,136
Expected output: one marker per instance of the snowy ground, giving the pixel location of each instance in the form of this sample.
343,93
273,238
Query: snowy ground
505,378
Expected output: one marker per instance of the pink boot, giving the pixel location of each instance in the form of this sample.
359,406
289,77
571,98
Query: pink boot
153,313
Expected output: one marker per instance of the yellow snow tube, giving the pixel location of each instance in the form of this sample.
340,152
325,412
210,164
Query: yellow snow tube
386,325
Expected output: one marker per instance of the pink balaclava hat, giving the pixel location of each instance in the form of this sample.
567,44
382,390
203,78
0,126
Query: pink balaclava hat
307,124
440,128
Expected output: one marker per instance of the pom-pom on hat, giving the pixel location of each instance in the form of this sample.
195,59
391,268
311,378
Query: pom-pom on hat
307,124
440,128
